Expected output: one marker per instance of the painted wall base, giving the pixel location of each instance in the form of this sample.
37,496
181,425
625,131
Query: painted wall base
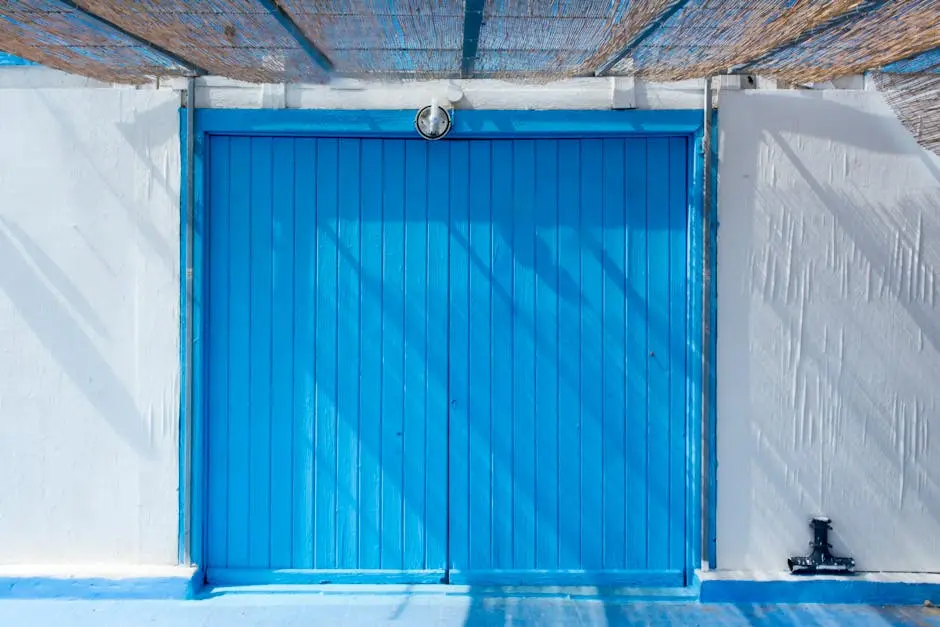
862,588
100,583
583,593
601,579
302,576
489,578
712,586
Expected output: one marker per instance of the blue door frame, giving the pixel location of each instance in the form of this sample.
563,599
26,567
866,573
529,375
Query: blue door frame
467,124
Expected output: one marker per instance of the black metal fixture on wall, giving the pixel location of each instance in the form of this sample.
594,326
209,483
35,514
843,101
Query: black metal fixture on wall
821,560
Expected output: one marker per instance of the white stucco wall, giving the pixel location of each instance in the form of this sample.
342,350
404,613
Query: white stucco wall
828,328
828,332
89,315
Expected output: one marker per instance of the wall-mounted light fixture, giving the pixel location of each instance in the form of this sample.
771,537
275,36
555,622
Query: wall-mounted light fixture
433,121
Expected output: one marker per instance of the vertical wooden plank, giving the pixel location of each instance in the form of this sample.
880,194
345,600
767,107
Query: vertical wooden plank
239,352
261,330
325,353
347,364
416,352
370,356
459,352
502,356
637,355
282,342
547,294
219,338
523,348
436,487
304,325
479,446
569,354
678,204
259,408
658,344
613,355
592,410
393,267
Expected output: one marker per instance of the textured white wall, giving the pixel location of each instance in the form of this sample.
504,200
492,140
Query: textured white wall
828,342
89,315
828,332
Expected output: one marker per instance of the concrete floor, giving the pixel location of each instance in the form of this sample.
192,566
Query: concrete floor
337,610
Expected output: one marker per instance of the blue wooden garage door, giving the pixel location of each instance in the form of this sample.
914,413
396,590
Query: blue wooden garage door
460,360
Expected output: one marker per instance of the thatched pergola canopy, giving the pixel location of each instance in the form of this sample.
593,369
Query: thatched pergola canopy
314,40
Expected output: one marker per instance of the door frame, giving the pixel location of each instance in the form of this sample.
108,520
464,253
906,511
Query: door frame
700,481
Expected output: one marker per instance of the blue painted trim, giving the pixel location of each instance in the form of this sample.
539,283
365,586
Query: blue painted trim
605,579
198,500
196,584
694,357
651,27
472,23
255,576
582,593
87,588
196,488
694,409
467,124
183,488
198,527
848,590
668,579
286,21
9,60
711,472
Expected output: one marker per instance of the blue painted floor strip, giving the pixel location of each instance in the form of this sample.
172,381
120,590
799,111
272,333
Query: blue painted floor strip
296,610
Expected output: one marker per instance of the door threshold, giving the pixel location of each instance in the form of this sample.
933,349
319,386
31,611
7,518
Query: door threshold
626,585
584,593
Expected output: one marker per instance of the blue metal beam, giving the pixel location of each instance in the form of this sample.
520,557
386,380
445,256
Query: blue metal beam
285,20
921,63
864,7
472,23
651,27
193,69
7,59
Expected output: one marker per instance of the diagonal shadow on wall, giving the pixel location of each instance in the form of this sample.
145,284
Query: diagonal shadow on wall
859,251
54,324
